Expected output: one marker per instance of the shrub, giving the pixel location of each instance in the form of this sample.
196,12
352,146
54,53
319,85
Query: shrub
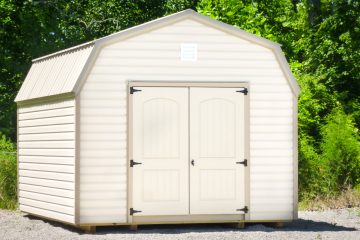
8,174
341,150
313,174
315,102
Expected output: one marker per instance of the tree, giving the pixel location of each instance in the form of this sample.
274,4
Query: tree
30,29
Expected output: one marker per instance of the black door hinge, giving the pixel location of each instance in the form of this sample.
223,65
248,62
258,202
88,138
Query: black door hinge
243,162
245,209
132,90
132,163
132,211
244,91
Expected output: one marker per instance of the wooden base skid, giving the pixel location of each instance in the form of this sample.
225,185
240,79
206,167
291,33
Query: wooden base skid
277,224
236,221
239,225
135,227
88,229
92,228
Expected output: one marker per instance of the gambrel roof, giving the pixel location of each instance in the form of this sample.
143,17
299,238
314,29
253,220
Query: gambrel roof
64,72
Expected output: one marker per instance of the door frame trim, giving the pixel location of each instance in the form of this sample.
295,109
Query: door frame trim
187,84
130,218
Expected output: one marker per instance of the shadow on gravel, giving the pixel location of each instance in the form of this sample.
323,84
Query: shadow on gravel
313,226
54,223
299,225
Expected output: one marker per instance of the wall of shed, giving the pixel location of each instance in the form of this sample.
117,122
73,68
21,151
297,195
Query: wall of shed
103,152
155,56
46,154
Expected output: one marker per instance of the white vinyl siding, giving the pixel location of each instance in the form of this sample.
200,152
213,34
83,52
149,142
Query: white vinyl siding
103,177
155,56
46,139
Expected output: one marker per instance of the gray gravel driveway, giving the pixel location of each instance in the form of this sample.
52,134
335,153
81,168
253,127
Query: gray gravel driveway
335,224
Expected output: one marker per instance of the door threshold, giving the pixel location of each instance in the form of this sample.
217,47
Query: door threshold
196,218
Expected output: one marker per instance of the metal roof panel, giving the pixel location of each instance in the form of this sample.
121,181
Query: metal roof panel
54,75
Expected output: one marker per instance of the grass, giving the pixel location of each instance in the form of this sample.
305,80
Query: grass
349,198
8,204
8,174
8,178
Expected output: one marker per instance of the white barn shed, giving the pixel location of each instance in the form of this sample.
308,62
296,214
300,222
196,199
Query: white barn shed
181,119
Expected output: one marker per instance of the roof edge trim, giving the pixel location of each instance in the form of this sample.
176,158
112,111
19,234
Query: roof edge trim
279,54
147,26
51,98
63,51
230,29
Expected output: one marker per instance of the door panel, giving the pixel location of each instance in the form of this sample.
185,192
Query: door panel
216,144
160,144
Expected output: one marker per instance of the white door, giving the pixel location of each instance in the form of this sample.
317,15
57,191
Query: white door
216,151
160,144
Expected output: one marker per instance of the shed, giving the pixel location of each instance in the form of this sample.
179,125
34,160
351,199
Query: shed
181,119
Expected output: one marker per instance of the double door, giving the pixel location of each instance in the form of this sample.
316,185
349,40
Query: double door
187,151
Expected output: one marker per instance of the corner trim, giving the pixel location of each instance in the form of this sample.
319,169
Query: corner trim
295,158
77,160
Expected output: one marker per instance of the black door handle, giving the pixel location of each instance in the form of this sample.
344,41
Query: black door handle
193,162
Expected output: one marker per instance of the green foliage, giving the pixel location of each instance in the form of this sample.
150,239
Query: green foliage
341,150
315,102
334,51
334,166
312,175
8,174
263,19
173,6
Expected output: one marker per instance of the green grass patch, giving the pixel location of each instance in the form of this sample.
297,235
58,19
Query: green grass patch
8,174
349,198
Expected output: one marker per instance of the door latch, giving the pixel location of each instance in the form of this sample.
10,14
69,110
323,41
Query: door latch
193,162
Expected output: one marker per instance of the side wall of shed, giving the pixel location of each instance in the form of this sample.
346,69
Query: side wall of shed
155,56
46,154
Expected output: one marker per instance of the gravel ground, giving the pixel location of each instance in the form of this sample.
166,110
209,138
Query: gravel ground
335,224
